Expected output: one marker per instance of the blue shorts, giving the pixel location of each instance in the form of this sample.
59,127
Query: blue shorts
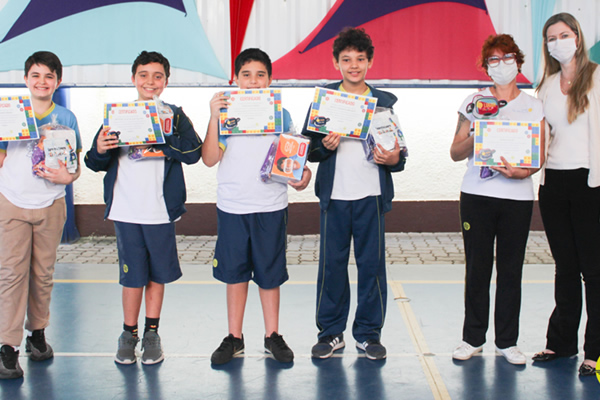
147,253
251,247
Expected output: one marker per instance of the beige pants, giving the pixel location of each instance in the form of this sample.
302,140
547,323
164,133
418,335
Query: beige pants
28,242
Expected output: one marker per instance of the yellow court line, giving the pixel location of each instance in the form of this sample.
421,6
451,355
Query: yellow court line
455,282
436,383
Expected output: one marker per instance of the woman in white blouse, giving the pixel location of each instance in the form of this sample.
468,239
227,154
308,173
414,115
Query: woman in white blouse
570,188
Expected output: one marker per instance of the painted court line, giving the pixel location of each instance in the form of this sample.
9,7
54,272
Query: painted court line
436,383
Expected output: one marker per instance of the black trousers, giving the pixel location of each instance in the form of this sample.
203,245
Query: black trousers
571,213
485,220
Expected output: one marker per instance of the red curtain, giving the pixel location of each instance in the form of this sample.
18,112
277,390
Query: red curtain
239,14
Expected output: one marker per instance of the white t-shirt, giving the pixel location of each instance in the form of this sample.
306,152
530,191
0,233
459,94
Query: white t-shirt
523,108
138,194
569,145
239,188
355,178
17,182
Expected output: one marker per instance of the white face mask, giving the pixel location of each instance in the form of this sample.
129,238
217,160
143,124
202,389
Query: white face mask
562,50
503,74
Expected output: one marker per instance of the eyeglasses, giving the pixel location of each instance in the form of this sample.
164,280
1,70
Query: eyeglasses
508,59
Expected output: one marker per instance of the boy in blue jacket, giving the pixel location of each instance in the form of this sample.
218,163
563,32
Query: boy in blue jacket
144,199
353,194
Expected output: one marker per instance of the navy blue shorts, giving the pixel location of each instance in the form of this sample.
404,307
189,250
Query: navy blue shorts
251,247
147,253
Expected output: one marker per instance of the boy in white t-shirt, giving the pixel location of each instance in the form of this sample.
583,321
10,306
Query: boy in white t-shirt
252,217
353,194
144,199
32,217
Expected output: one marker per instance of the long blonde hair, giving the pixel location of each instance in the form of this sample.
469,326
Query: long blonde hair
577,100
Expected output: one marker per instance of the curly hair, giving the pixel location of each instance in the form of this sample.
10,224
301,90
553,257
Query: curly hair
506,44
353,38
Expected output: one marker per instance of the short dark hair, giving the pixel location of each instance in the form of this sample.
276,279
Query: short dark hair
147,57
353,38
46,58
253,54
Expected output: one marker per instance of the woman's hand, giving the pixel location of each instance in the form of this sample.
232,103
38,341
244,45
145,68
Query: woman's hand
508,171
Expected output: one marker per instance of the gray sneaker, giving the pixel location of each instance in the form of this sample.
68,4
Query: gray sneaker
153,353
9,363
126,350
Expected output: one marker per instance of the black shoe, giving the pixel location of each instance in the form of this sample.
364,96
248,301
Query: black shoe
230,347
275,345
587,370
9,363
373,349
327,345
543,356
36,346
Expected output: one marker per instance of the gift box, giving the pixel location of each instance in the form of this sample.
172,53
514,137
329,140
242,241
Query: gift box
290,158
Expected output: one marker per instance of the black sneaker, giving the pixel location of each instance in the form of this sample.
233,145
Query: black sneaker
36,346
327,345
373,349
275,345
230,347
9,363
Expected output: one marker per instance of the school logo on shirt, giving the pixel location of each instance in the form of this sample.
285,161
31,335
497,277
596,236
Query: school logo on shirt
215,262
125,268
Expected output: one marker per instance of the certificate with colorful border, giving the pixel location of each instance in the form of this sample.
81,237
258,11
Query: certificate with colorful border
17,119
252,112
137,122
517,141
343,113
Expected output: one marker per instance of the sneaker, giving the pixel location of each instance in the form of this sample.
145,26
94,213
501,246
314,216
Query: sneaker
464,351
327,345
512,354
153,353
275,345
9,363
230,347
126,350
373,349
36,346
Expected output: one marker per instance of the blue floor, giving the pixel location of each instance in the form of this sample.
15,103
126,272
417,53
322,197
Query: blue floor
423,325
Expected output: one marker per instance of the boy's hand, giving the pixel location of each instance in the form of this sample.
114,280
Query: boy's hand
302,183
60,176
385,157
331,141
106,142
218,101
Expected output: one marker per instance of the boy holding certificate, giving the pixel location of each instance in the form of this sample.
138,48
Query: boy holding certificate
32,216
252,217
354,194
144,199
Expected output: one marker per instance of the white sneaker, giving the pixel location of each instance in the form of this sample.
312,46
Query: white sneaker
464,351
512,354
